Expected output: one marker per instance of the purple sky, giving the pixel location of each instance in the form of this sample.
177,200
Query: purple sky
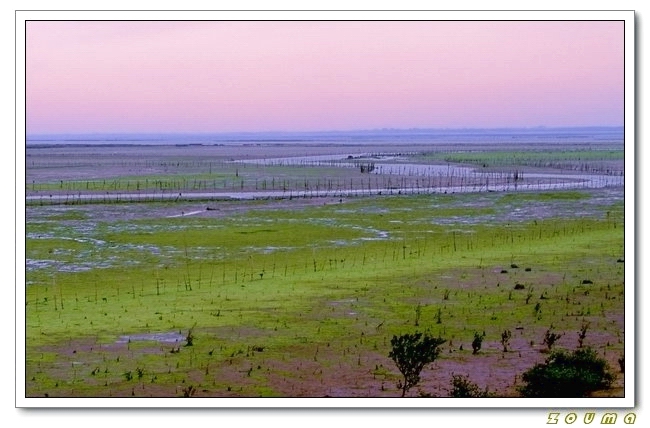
305,76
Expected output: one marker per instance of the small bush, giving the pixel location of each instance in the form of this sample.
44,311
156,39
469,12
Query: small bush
582,334
550,338
189,391
462,387
477,342
190,337
566,375
529,295
418,313
505,339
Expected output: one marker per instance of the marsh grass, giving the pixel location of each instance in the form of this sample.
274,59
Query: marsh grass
600,161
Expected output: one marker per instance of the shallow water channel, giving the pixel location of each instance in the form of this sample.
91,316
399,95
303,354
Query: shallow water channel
484,182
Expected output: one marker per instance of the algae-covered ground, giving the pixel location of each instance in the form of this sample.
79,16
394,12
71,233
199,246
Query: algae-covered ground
300,298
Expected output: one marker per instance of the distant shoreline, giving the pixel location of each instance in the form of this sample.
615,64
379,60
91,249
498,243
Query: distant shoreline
344,138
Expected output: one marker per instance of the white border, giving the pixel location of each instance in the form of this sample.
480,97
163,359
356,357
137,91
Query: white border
591,403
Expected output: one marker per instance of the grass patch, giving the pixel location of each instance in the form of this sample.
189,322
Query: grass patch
543,197
527,157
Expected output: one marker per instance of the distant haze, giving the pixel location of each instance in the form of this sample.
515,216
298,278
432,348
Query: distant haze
269,76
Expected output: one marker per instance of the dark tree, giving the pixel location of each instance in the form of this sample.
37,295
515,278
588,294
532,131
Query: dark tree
411,352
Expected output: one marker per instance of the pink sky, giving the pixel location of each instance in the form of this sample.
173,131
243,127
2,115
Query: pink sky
306,76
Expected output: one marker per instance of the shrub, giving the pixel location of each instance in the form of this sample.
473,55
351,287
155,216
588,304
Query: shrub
418,313
189,391
505,339
529,295
411,352
462,387
477,342
190,336
550,338
564,374
582,334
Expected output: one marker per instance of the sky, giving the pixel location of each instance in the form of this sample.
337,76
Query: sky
260,76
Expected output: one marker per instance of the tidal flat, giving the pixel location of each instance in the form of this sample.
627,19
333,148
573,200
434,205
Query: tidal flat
294,286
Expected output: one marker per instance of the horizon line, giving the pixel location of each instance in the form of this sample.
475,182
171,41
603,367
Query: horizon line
350,131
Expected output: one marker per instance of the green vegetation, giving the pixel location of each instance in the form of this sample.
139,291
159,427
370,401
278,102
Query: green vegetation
462,387
550,337
600,161
543,196
563,374
582,334
301,297
411,352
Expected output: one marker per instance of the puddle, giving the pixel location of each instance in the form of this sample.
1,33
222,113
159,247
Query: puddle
168,337
32,264
184,214
341,302
267,250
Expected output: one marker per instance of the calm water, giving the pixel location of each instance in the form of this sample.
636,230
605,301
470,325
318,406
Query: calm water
592,135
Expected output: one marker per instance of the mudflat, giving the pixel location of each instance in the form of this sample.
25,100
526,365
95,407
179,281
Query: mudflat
296,289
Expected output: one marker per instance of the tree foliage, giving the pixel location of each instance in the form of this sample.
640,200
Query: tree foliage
564,374
411,352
